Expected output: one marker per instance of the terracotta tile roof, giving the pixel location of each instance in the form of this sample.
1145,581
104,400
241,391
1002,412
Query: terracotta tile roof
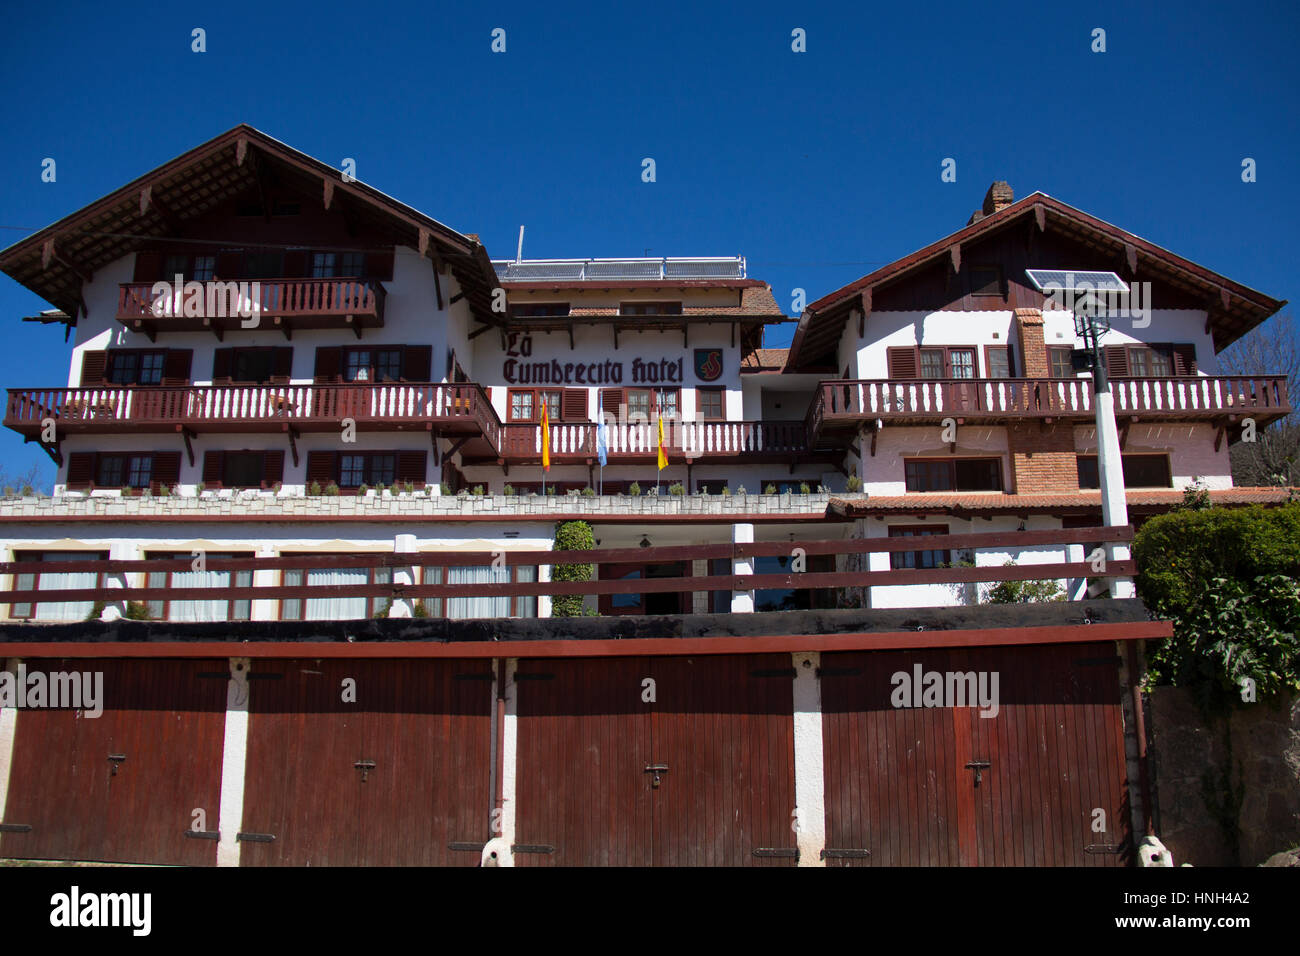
753,301
1071,501
764,360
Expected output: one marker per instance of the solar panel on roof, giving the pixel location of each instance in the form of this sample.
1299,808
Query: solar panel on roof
1075,280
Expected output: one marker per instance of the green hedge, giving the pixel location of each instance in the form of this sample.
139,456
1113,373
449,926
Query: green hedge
571,536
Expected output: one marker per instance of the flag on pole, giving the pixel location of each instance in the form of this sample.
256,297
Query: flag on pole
602,442
546,437
663,455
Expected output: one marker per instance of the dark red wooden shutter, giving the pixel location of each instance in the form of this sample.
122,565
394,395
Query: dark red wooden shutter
148,266
230,264
166,469
903,362
1117,361
411,465
295,264
223,365
213,468
272,467
610,400
379,265
417,363
282,365
1184,359
321,467
81,469
93,367
176,366
329,365
573,405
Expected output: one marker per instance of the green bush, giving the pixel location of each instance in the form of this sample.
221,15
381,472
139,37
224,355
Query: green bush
312,489
854,484
419,610
634,489
385,609
589,492
96,610
509,491
1229,579
136,611
444,488
331,489
571,536
726,491
479,491
1024,592
804,489
770,490
676,488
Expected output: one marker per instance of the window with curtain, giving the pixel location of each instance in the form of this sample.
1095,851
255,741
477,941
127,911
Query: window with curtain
222,609
466,608
333,607
60,581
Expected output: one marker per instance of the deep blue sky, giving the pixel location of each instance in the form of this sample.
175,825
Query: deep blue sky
818,166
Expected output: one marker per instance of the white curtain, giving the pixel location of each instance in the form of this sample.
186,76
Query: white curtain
199,610
486,606
66,581
336,608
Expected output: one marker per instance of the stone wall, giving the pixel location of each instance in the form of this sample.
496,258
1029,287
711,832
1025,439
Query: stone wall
1227,786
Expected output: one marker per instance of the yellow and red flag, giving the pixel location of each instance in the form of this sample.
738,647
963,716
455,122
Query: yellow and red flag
546,437
663,455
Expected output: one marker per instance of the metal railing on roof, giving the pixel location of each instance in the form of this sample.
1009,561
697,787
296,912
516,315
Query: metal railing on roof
586,270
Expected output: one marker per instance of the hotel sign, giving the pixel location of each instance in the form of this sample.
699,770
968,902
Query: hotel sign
520,368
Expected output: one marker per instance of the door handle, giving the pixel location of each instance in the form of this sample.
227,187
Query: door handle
979,766
365,766
115,760
656,769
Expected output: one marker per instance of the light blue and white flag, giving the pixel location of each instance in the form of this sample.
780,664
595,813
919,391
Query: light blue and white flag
602,442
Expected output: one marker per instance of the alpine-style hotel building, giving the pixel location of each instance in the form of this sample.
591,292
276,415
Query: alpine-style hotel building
292,398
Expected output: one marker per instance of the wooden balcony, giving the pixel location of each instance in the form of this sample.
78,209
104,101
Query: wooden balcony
450,409
277,304
847,404
638,442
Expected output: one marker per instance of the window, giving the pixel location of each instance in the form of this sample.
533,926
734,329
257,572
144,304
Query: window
999,361
1060,360
1150,362
323,265
659,401
913,362
709,402
252,365
224,609
463,608
1160,360
352,265
650,308
953,474
263,265
526,404
793,599
932,364
242,469
205,267
1140,471
533,310
118,471
899,560
372,365
367,468
961,363
521,406
58,581
986,280
333,608
135,367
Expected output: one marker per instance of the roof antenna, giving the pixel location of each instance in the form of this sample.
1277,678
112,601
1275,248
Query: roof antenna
519,253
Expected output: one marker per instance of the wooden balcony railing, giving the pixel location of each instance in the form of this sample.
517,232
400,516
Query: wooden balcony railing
1187,398
304,303
640,440
127,580
462,408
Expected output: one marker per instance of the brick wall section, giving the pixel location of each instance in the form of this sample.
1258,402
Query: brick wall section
1042,458
1033,347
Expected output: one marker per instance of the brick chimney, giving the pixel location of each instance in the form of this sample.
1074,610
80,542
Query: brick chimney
999,196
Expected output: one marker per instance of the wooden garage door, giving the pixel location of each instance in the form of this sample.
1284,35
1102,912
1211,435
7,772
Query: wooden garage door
393,779
720,732
901,783
122,787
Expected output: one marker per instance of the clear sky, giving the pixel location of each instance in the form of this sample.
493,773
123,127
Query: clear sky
818,166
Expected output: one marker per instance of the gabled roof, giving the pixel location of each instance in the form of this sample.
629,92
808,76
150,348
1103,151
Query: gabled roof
1234,308
54,262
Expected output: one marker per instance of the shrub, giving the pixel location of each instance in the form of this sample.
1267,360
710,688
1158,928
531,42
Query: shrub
1023,592
510,491
164,491
384,610
550,491
676,488
380,489
361,491
726,491
9,491
1229,579
770,490
419,610
201,487
571,536
136,611
408,487
479,490
634,489
96,610
589,492
331,489
277,487
27,491
126,492
804,489
854,484
312,489
444,489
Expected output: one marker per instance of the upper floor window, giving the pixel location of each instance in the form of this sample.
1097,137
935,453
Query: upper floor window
650,308
526,404
133,471
540,309
1140,471
999,361
367,468
191,267
933,362
323,265
1060,361
372,365
709,402
953,474
135,367
899,560
1150,360
985,280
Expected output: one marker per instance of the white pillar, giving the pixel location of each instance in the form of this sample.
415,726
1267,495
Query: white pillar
1110,468
504,815
119,551
234,753
404,575
265,610
809,779
544,600
742,602
8,728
